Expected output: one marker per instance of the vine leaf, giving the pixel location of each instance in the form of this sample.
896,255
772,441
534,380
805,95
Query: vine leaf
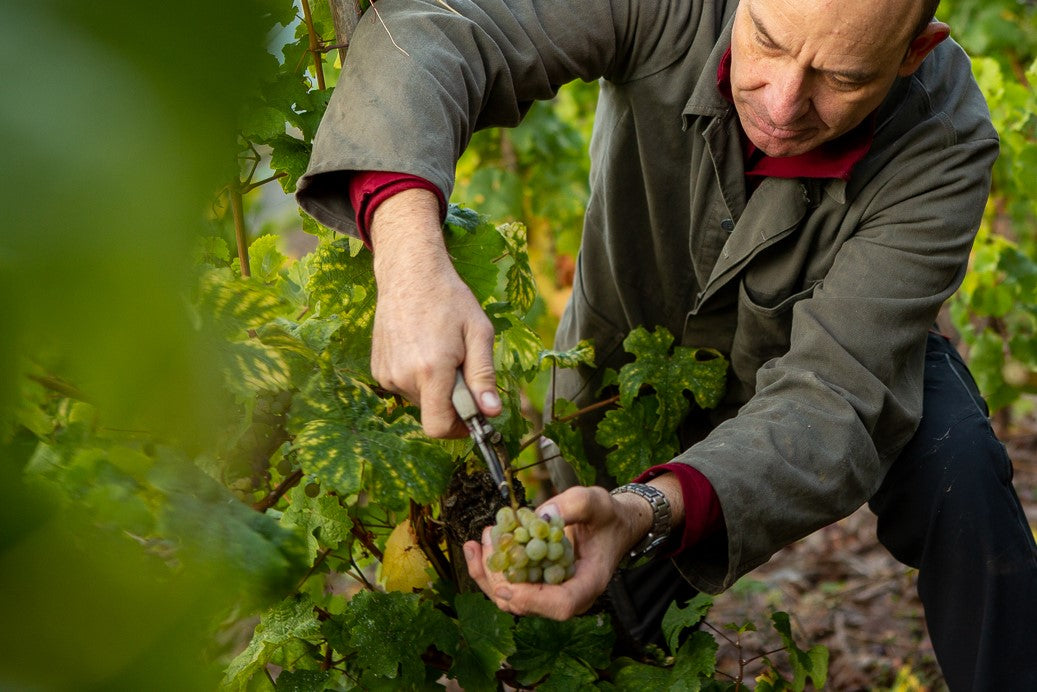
251,366
700,371
278,628
388,632
570,442
520,287
693,664
517,350
568,652
342,282
233,305
580,354
342,439
265,259
302,680
230,307
677,619
323,519
474,245
290,156
812,663
632,431
486,640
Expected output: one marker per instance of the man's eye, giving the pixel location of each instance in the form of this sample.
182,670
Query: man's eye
764,42
844,84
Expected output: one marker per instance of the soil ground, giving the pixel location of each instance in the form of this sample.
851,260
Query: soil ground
842,589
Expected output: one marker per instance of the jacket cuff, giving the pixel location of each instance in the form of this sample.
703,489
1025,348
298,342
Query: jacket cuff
368,189
702,512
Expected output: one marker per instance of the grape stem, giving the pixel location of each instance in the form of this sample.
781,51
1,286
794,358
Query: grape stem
290,481
572,416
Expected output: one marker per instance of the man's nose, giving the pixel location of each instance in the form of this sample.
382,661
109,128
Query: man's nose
788,98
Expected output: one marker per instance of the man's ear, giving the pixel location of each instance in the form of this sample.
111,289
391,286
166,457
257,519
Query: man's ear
932,36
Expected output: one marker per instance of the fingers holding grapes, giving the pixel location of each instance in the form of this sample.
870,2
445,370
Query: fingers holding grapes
530,565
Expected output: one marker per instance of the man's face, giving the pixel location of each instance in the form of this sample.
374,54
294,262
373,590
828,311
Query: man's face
804,72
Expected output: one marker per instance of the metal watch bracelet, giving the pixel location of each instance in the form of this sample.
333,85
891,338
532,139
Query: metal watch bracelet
662,523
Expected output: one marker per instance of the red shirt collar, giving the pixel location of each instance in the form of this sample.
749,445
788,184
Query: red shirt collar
834,159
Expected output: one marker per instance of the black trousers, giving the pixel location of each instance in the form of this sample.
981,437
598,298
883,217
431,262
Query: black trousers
947,507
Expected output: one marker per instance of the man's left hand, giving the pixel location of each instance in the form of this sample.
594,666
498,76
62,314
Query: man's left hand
602,528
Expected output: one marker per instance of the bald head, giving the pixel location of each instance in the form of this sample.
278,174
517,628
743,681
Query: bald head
804,72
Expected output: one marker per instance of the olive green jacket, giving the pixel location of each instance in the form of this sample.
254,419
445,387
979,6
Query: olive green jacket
820,292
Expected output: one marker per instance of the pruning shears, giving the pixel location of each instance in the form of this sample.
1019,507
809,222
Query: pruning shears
481,432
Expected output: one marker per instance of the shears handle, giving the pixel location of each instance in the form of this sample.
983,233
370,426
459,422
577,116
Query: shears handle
481,432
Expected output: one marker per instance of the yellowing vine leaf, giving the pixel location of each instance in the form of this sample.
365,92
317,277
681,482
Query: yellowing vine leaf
404,565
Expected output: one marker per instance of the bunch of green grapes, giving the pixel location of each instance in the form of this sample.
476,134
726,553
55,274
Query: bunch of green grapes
528,548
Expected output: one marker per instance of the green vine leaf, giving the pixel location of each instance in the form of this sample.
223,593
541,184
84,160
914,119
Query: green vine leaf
565,653
677,619
700,371
388,632
811,664
251,366
290,156
342,439
693,664
580,354
474,245
234,305
282,626
486,640
341,284
517,350
322,519
264,259
570,442
638,445
520,286
302,680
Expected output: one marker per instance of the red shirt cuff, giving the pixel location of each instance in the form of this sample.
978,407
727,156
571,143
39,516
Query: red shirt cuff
368,189
702,512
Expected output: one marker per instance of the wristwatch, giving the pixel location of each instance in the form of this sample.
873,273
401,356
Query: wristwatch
662,523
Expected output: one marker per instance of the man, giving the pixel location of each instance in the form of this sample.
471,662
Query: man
796,183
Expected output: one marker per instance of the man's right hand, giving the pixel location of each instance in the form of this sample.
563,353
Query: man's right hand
427,322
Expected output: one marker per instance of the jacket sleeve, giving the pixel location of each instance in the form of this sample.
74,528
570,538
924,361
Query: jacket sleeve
418,82
831,415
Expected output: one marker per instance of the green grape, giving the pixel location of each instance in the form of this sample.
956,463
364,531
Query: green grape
312,489
528,548
506,518
570,555
498,561
285,466
555,574
536,549
496,531
516,574
555,551
525,515
517,555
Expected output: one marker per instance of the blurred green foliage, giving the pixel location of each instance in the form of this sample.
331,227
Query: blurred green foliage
996,311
